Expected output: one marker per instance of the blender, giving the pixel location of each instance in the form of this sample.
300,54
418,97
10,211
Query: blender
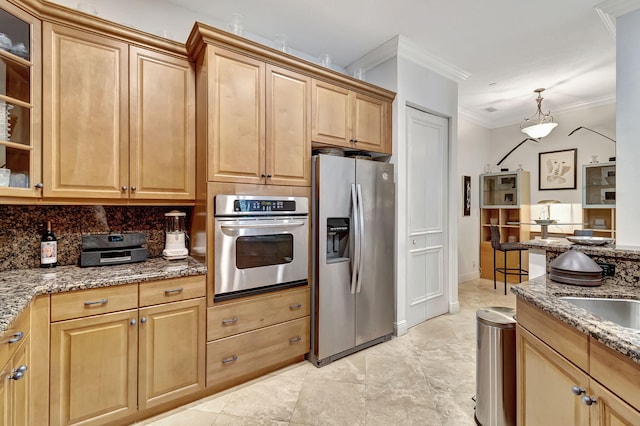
175,236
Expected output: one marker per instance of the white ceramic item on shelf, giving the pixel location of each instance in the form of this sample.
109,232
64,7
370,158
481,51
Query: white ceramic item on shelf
5,42
5,176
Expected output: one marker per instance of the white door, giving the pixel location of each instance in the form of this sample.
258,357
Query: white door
427,226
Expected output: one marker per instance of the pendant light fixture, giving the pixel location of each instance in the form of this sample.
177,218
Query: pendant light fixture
540,125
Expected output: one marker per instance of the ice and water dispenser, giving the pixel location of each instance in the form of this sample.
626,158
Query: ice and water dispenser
337,238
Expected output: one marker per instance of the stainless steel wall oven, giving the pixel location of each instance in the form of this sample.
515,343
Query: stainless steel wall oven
261,244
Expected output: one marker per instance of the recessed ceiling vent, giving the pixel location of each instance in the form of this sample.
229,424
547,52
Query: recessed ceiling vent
491,109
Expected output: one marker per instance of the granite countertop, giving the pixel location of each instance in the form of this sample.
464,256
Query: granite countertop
544,294
562,245
19,287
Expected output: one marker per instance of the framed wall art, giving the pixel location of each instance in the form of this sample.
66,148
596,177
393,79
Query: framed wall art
466,195
557,169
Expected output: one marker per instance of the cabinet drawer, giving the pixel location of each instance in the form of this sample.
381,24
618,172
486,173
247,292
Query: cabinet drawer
241,357
246,315
563,338
616,371
83,303
14,335
172,290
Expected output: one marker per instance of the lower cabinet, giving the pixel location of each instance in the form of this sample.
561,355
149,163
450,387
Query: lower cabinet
251,336
552,389
15,387
108,367
15,377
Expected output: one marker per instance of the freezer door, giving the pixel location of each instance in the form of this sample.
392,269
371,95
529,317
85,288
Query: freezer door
333,316
375,300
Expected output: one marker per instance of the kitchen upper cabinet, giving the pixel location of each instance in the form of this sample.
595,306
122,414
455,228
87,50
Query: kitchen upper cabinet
349,119
118,121
162,126
20,103
258,121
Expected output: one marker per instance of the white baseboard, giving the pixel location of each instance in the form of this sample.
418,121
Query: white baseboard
468,277
400,328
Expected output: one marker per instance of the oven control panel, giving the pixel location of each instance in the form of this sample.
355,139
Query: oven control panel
248,206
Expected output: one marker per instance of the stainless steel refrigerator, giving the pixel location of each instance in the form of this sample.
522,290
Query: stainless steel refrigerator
353,260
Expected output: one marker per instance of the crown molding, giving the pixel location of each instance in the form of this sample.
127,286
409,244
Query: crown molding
400,46
609,10
509,121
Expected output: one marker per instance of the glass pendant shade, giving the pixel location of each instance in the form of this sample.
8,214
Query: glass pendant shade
540,125
539,130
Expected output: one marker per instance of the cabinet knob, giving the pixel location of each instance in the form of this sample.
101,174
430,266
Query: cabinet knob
39,185
589,400
123,188
413,242
143,320
269,176
18,373
577,390
263,175
133,189
133,321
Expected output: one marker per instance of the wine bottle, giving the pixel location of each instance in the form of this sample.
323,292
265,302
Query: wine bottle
48,248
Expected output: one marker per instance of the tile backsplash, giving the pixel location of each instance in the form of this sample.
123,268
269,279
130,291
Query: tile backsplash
22,226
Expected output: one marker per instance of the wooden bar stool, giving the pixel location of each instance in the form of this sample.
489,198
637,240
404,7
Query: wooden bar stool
505,248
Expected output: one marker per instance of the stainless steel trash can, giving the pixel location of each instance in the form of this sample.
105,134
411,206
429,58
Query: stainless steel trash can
496,366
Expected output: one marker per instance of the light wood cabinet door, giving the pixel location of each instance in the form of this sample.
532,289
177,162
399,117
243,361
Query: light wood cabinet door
544,385
85,114
236,117
609,409
94,369
288,125
172,351
370,124
15,386
162,126
332,115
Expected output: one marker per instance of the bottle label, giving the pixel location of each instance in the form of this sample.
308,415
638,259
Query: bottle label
48,252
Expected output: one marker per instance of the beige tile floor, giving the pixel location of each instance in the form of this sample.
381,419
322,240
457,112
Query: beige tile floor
425,377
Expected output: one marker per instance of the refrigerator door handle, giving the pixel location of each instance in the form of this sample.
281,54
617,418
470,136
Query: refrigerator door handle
355,261
360,237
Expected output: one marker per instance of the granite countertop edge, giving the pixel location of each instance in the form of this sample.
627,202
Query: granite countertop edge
20,286
562,245
545,293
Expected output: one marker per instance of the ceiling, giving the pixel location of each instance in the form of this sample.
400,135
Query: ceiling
507,48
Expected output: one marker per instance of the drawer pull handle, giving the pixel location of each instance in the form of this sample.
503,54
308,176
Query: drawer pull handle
230,321
230,359
17,336
18,373
175,290
588,400
97,302
295,339
295,306
577,390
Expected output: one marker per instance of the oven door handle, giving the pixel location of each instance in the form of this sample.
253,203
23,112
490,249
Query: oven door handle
275,224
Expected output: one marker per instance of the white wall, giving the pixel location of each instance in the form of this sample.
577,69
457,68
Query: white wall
474,142
628,129
600,118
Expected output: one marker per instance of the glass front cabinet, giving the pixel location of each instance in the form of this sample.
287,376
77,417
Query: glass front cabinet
599,198
20,92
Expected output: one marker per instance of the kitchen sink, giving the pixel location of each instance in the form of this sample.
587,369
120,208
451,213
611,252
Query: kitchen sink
623,312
